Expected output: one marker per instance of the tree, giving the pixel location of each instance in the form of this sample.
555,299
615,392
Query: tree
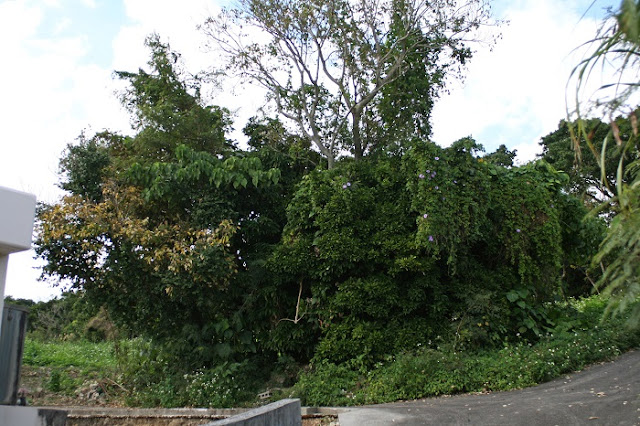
155,226
617,42
84,164
371,263
167,110
501,157
587,180
341,70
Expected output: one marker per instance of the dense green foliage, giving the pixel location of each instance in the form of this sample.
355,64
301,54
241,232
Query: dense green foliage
136,373
586,179
69,317
390,254
580,340
231,267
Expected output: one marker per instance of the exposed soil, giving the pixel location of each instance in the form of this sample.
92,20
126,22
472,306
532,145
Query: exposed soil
77,389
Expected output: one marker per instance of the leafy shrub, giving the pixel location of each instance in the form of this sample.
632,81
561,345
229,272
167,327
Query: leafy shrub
386,255
223,386
439,370
327,384
62,381
155,379
63,318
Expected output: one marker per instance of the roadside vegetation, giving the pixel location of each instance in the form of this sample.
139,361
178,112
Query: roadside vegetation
341,255
129,372
579,340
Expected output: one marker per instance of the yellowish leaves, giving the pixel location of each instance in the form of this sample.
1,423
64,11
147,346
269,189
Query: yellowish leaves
124,216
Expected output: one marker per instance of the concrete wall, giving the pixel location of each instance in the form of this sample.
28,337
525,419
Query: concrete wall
30,416
286,412
111,416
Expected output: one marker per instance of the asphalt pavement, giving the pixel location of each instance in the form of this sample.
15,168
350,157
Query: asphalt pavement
603,394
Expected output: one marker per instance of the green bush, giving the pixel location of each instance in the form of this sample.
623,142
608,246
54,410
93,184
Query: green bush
154,379
442,369
383,255
223,386
328,385
64,381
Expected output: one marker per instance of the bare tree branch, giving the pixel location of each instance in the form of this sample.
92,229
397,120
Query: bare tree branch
326,63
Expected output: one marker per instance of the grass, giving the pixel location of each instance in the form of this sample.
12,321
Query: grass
57,372
69,354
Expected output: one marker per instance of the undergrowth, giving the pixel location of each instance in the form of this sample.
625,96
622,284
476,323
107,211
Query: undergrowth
57,372
578,340
69,353
138,374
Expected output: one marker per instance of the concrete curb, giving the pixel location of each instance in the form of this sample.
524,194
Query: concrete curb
101,416
286,412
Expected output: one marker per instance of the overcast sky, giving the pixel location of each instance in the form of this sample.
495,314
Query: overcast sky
59,57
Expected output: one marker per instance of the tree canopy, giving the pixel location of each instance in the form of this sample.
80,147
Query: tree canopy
154,226
587,179
350,74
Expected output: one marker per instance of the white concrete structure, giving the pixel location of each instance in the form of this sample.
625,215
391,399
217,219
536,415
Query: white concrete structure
31,416
17,210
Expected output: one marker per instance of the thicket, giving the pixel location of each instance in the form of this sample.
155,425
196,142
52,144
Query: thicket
68,317
438,243
579,340
229,264
136,372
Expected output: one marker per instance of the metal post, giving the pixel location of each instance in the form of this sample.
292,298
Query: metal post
4,262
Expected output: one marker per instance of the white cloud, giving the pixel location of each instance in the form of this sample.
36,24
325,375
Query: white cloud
62,26
177,24
17,22
49,95
515,94
22,279
51,3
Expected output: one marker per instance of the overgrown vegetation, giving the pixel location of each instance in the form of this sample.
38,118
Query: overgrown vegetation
618,42
132,372
402,271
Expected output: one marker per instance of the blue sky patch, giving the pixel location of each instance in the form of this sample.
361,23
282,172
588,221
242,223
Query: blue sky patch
98,25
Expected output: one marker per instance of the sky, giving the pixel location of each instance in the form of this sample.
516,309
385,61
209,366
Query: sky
57,81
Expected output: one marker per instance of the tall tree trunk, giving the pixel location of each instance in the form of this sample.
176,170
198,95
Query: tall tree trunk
324,150
330,161
357,141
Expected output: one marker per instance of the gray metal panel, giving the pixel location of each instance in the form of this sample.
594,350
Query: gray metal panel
14,327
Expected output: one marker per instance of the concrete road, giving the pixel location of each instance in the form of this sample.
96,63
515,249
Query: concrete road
603,394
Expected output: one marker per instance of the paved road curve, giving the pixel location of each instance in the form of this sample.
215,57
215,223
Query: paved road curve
604,394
